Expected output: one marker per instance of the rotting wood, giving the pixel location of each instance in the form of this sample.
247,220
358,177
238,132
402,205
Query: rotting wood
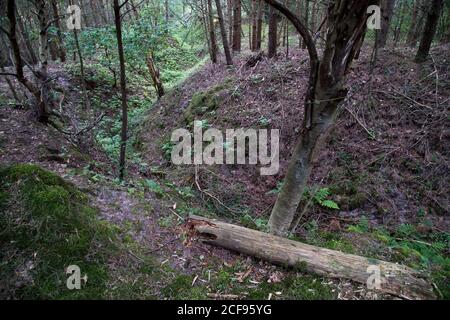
395,279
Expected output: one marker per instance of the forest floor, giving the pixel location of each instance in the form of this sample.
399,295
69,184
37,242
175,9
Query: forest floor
385,166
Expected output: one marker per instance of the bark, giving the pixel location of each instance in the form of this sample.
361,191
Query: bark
123,90
39,90
273,31
402,13
347,24
259,23
154,73
223,32
237,22
254,24
387,9
230,21
429,32
414,16
61,49
86,104
212,32
32,58
395,279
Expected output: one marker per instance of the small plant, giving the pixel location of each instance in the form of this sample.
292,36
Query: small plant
321,198
153,186
167,148
263,121
363,226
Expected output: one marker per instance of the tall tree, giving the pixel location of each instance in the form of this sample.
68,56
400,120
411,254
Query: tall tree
273,32
429,32
237,25
223,31
123,89
38,88
259,25
212,32
86,103
413,25
61,49
387,9
346,26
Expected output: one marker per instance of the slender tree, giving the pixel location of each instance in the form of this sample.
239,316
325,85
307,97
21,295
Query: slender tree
237,25
429,32
223,31
86,103
273,31
123,89
346,26
212,32
387,10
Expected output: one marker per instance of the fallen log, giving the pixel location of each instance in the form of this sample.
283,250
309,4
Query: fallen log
393,278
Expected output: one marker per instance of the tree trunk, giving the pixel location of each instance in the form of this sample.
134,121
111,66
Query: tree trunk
212,32
259,23
32,58
394,278
273,31
402,13
230,21
254,24
433,15
387,9
123,90
223,31
414,16
86,104
38,91
306,19
154,73
237,22
61,49
347,23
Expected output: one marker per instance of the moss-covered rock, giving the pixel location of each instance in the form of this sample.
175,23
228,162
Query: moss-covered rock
203,102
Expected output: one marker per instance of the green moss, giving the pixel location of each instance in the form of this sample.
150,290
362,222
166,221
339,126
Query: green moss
203,102
294,287
181,289
47,225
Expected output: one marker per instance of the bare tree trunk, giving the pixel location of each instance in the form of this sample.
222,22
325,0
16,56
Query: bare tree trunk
414,16
39,91
237,22
306,19
394,278
387,9
61,49
212,32
86,103
230,21
254,24
259,23
401,18
154,73
273,31
123,90
347,24
26,40
433,15
223,31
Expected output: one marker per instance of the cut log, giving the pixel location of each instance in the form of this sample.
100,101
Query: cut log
393,278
